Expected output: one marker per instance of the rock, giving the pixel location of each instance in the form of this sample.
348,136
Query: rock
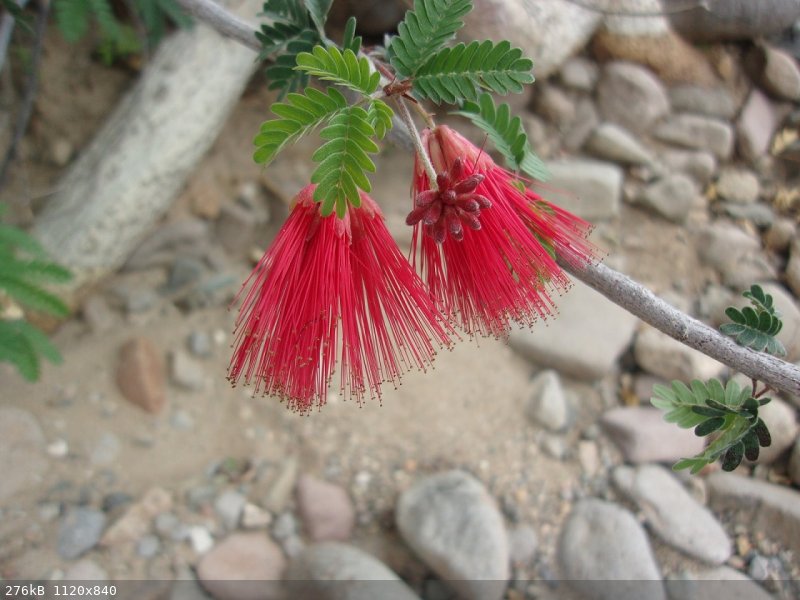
721,582
578,132
255,517
548,31
229,506
771,509
604,554
186,372
643,436
734,254
244,566
547,404
281,489
199,344
284,526
738,185
760,215
238,226
780,75
673,514
790,315
735,20
554,105
136,521
756,126
98,314
105,450
184,273
661,355
673,197
794,464
579,73
778,239
22,446
181,420
793,270
759,568
554,446
698,132
200,539
140,374
160,247
589,457
782,424
335,571
612,142
631,96
699,165
522,543
79,532
703,100
593,189
453,525
148,546
586,345
85,570
326,510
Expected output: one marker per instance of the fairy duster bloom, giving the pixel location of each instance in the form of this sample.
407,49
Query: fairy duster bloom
484,244
333,290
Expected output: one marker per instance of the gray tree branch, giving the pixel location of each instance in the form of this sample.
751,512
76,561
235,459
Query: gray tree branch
620,289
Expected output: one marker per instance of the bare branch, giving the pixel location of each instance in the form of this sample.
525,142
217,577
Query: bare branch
618,288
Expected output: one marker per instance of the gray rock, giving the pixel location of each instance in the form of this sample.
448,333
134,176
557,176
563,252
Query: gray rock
79,532
721,582
593,188
778,239
734,254
783,428
199,343
794,464
756,126
453,524
284,526
790,315
643,436
781,75
709,101
326,510
672,197
523,543
186,372
631,96
23,448
228,506
181,420
661,355
547,403
579,73
586,119
168,526
86,570
554,446
244,566
758,568
98,314
586,345
185,272
148,546
673,514
698,132
738,185
758,214
765,507
699,165
554,105
604,554
612,142
105,450
335,571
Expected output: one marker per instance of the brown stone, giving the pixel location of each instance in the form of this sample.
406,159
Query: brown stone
141,374
327,511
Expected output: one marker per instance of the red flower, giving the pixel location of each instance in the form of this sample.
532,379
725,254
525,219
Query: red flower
333,289
485,245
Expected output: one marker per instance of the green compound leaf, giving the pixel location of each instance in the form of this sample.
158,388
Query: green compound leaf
342,68
459,72
423,31
506,133
729,414
344,160
380,117
318,10
350,41
299,115
756,326
30,295
282,74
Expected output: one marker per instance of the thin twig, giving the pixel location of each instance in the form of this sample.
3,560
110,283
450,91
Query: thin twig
617,287
405,117
31,87
6,29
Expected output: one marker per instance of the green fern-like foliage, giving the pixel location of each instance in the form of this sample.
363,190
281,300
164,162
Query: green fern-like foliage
423,31
380,117
343,161
756,326
24,270
459,72
318,11
729,413
506,133
342,68
299,115
351,41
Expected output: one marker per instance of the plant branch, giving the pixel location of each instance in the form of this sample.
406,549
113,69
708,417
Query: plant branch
617,287
405,117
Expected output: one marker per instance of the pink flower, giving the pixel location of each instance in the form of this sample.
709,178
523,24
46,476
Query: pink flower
484,245
329,290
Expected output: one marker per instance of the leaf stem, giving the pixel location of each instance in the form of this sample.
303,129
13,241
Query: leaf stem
405,117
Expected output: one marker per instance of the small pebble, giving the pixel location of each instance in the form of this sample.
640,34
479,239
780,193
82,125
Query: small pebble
200,539
58,449
148,546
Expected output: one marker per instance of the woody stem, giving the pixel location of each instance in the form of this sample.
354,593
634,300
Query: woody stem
405,117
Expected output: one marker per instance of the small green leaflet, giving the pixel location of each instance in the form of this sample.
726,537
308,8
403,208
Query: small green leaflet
380,117
506,133
350,41
299,115
756,326
423,31
344,160
318,9
342,68
21,344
